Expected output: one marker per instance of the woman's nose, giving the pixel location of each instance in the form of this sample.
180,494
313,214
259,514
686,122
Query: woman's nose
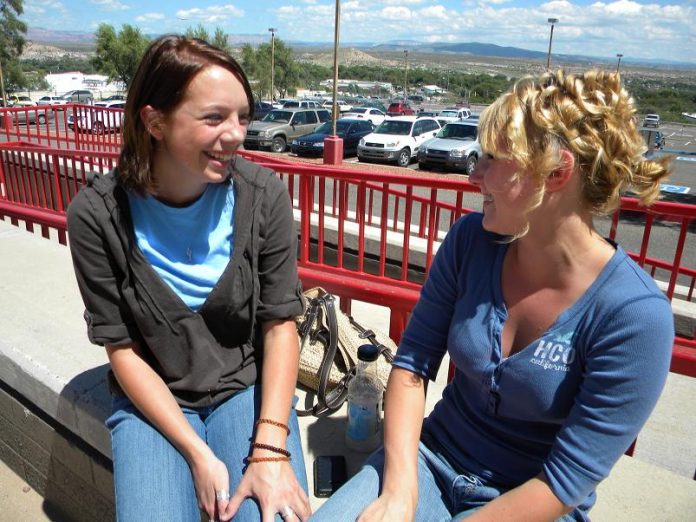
234,132
476,177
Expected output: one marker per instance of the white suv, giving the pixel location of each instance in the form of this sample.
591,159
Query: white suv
397,139
651,120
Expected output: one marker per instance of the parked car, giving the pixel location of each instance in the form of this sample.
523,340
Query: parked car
78,96
98,119
261,108
301,104
14,100
115,97
51,100
375,116
342,105
281,126
30,116
453,114
416,98
651,120
397,139
400,108
455,146
350,129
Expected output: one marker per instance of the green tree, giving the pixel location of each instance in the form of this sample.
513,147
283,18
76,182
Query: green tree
11,43
219,39
118,54
257,65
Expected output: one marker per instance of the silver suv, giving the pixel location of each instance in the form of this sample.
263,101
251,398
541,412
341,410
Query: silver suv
78,96
281,126
456,147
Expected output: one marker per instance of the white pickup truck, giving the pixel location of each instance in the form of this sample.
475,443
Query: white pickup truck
453,114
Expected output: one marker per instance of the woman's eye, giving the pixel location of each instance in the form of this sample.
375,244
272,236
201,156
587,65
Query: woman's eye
216,118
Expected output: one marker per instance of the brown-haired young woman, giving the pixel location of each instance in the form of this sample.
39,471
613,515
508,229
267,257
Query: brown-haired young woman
185,256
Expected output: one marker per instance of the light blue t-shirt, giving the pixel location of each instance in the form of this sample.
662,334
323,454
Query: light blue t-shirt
571,402
189,247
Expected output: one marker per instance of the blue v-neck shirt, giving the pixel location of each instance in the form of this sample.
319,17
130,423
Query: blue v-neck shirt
571,402
189,247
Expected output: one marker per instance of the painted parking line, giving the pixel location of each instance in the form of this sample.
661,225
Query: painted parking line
685,158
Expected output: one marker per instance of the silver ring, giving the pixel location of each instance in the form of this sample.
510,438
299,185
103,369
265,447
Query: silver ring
222,494
287,513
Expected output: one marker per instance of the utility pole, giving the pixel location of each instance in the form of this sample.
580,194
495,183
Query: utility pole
618,64
2,88
273,32
406,75
552,21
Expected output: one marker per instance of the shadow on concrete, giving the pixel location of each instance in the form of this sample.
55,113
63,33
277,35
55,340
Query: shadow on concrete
79,478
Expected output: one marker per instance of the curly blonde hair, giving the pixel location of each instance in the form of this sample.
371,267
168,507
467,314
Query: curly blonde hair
590,115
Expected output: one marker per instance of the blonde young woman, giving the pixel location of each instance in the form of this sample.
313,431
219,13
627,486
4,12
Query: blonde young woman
561,343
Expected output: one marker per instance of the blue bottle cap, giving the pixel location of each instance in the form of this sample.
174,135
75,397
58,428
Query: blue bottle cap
368,353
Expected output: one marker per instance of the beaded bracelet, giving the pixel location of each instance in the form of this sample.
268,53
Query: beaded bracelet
251,460
273,423
268,447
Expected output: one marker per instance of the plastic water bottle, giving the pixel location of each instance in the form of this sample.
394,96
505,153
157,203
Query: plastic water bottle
365,391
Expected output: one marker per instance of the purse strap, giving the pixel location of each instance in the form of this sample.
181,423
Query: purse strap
327,401
330,401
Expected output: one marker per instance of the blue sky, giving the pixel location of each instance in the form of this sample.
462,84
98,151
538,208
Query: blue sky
661,29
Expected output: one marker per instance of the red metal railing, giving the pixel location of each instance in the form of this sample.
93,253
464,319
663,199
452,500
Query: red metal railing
72,127
363,235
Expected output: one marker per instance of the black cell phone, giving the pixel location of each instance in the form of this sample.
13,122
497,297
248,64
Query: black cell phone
329,474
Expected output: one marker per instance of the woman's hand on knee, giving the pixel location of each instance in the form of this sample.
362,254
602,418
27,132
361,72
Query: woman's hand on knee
275,488
388,508
212,483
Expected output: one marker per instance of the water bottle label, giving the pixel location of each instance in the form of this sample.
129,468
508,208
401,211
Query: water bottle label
362,421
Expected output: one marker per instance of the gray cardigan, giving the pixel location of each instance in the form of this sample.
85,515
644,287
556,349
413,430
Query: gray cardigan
203,356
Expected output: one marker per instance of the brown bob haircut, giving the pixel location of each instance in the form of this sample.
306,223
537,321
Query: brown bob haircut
164,73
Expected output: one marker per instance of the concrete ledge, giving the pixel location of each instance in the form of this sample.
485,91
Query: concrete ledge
53,400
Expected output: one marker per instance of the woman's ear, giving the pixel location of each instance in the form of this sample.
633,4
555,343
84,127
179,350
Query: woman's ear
152,119
560,177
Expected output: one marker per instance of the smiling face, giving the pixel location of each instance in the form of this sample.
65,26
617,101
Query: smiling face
197,141
507,194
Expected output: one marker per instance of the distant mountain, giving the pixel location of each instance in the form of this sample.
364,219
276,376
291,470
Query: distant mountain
78,39
48,36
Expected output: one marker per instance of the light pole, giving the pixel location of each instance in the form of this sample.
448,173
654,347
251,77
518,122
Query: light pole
333,145
405,75
618,64
552,21
273,32
334,109
3,95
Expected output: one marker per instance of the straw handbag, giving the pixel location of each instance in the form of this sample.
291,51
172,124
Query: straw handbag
329,341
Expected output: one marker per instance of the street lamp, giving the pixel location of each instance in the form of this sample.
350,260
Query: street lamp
552,21
333,145
406,75
618,64
334,109
273,32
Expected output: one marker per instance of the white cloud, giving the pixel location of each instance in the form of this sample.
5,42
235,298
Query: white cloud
110,5
149,17
211,14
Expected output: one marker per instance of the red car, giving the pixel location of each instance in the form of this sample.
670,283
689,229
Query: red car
400,109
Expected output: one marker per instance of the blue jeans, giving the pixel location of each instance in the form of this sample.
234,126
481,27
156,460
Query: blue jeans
443,494
153,480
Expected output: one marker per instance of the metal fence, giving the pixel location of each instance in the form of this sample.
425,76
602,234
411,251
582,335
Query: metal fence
364,235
